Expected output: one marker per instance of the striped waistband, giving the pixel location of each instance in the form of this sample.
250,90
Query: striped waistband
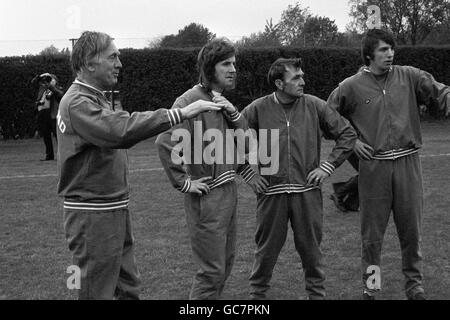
288,188
95,206
394,154
223,178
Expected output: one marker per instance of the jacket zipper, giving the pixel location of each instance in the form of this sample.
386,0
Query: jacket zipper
289,141
383,89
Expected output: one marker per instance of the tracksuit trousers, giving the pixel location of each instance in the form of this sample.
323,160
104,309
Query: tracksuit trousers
211,220
102,246
304,211
396,185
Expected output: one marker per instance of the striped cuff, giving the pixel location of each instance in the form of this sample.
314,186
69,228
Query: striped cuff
235,116
186,186
328,167
174,116
223,178
247,174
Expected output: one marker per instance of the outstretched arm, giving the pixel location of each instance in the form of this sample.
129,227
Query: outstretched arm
432,93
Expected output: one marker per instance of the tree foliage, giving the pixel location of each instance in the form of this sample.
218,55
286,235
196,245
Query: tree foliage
53,51
411,21
270,37
298,27
320,31
192,35
292,24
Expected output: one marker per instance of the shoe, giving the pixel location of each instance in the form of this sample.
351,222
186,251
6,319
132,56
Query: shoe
418,296
337,202
367,296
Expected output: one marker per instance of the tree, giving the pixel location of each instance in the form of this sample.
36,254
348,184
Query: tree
192,35
298,27
65,51
155,42
411,21
320,31
270,37
439,35
292,24
349,39
50,51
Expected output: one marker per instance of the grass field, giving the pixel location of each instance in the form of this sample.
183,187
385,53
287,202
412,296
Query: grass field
34,255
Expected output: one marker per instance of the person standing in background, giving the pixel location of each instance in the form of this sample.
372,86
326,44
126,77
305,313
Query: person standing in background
47,105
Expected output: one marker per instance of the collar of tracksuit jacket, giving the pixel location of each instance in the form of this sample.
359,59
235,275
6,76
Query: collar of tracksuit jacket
367,69
95,90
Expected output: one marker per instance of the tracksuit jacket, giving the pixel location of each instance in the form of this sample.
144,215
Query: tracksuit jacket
93,169
386,117
387,121
300,139
180,175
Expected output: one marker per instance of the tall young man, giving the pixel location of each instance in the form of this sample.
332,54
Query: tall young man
93,173
208,184
382,102
293,192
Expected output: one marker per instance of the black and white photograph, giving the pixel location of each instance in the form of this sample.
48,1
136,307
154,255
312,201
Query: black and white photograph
239,151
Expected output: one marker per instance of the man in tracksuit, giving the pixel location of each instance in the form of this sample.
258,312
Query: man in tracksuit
293,192
93,169
382,102
208,184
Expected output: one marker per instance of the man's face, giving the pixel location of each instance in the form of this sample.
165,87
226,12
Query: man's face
106,67
383,57
293,82
225,74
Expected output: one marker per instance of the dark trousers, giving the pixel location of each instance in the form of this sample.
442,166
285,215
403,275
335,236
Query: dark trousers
385,186
211,220
304,211
47,126
102,246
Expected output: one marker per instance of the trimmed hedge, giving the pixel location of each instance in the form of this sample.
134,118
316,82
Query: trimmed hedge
152,79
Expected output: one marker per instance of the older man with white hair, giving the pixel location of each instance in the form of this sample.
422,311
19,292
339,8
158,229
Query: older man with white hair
93,173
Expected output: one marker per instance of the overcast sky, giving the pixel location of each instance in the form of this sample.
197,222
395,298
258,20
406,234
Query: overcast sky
28,26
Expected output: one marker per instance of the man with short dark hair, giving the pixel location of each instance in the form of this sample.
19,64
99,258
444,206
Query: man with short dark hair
293,192
382,103
93,168
209,186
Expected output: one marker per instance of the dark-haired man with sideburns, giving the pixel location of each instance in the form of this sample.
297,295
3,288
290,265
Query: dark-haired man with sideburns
382,102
